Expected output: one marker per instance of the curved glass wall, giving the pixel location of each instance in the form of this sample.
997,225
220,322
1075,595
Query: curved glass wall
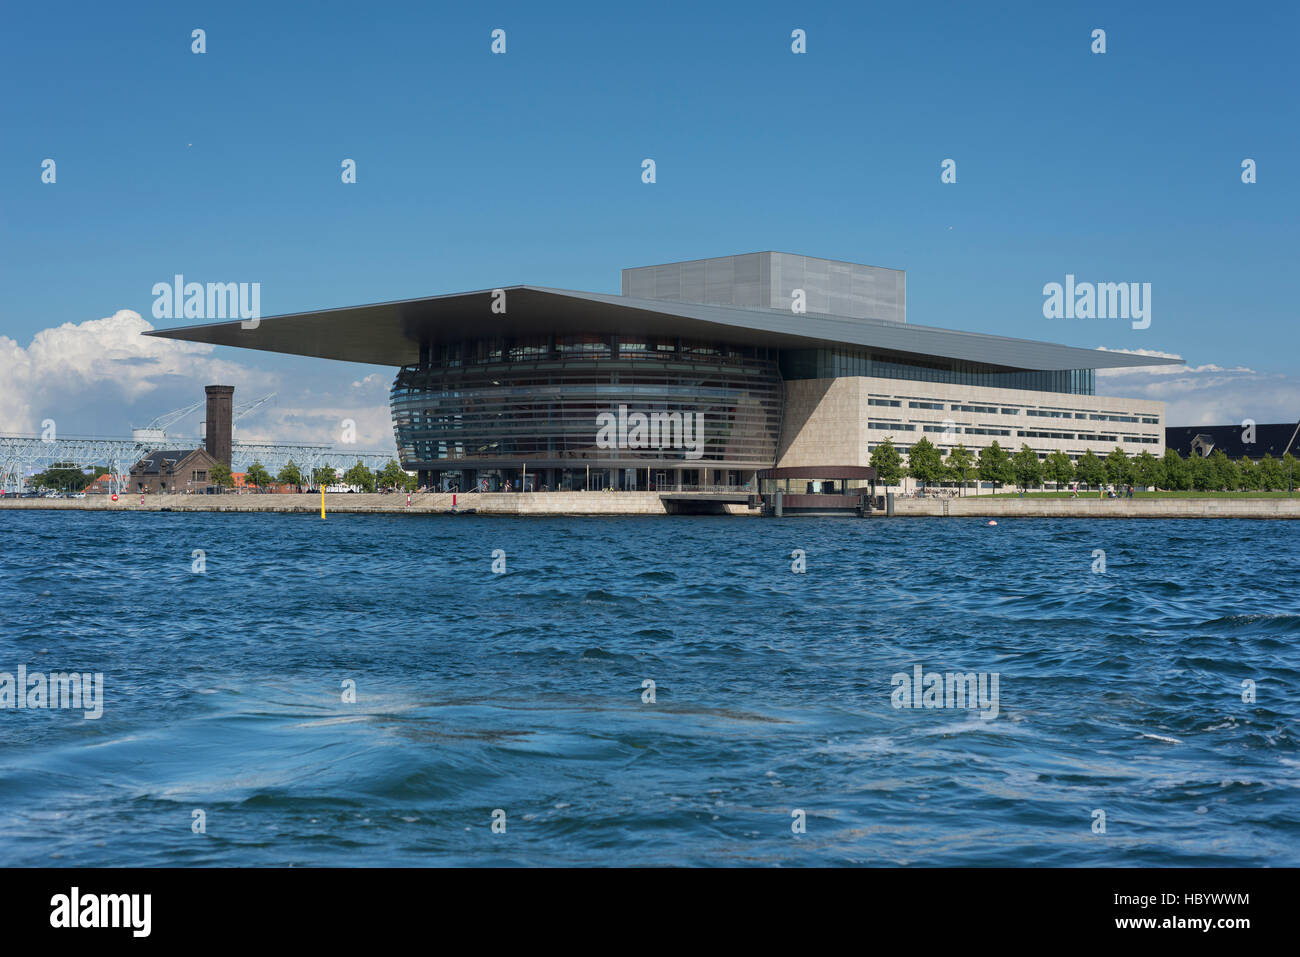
587,401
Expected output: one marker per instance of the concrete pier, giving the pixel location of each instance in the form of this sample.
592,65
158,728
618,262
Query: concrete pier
488,503
999,507
652,503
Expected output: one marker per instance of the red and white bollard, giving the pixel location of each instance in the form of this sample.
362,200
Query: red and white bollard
408,498
453,499
141,499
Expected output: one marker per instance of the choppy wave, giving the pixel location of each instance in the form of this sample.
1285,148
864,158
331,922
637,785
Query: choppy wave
650,691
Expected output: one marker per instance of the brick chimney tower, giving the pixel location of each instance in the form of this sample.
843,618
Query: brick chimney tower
221,400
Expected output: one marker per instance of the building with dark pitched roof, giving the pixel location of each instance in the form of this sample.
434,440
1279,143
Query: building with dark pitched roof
1275,440
176,470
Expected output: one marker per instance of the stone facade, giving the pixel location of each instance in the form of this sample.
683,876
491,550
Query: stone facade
841,421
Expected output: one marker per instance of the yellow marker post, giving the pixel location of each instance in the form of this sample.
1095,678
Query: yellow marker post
322,501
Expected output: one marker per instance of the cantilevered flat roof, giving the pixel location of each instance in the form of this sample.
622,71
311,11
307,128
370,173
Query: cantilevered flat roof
390,333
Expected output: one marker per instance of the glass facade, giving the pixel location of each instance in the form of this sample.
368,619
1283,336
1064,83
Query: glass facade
561,411
833,363
537,402
816,486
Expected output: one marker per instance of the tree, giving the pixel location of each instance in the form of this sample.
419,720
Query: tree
1290,470
393,475
924,462
994,465
1090,470
1058,469
64,476
1117,466
1177,474
1027,468
290,475
1249,472
959,464
220,475
1147,470
324,475
1271,473
257,475
887,463
360,477
1201,473
1225,473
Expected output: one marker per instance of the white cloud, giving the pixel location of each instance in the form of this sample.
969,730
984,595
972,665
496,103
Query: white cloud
102,376
1165,369
1206,394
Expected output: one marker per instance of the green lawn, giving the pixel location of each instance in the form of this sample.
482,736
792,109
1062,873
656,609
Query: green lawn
1140,494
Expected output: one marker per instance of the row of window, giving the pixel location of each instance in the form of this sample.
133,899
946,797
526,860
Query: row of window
1003,410
491,350
1021,433
1092,416
905,449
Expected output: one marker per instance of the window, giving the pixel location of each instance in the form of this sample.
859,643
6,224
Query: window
894,403
925,405
573,347
830,363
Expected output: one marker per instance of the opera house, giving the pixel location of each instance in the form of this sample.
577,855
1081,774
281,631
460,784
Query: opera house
701,373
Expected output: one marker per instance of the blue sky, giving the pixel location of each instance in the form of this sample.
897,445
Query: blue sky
477,170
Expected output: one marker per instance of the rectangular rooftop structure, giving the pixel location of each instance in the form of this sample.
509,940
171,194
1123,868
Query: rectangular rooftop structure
768,280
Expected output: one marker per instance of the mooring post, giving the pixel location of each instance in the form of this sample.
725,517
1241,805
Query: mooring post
776,504
889,504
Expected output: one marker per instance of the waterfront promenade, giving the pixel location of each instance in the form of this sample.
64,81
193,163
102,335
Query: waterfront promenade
650,503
